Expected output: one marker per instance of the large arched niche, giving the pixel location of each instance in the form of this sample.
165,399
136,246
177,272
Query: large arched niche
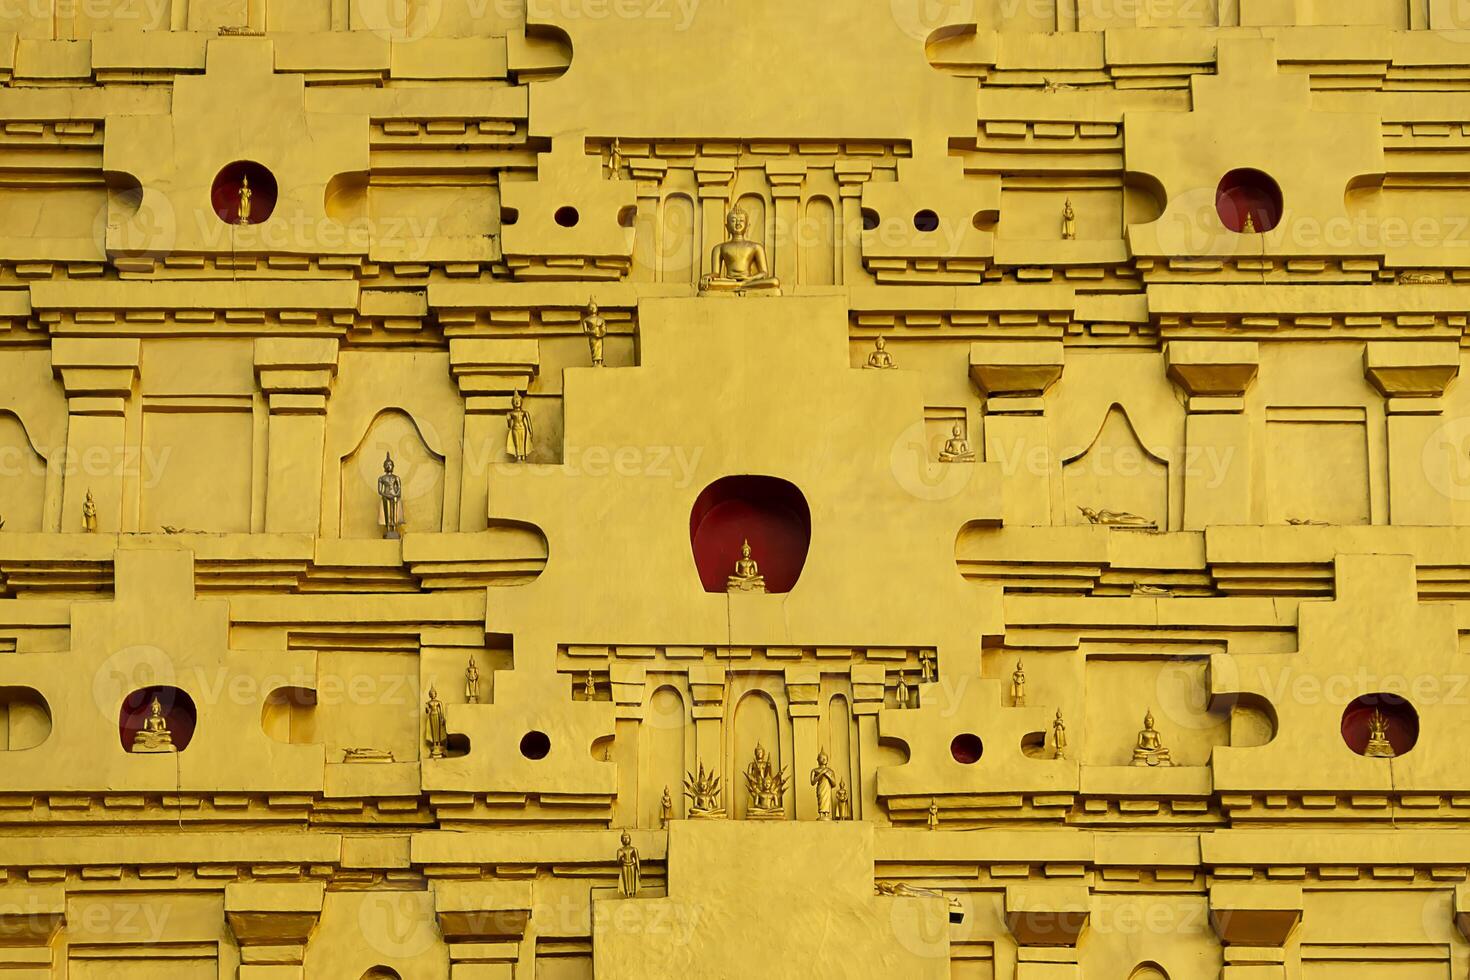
1116,472
417,461
768,512
25,719
22,476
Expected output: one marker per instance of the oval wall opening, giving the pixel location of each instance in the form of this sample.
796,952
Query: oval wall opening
768,512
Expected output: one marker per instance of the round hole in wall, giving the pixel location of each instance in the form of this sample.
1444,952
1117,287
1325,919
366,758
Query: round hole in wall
244,193
1251,196
966,748
535,745
1380,726
870,219
567,216
926,220
139,727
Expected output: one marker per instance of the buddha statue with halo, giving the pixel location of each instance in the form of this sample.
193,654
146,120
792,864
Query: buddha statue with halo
1150,750
739,264
1379,747
747,577
154,736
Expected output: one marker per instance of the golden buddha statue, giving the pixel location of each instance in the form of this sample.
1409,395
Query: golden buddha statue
630,868
1069,221
956,448
436,726
740,265
824,780
880,358
843,803
933,814
242,216
703,791
1118,518
595,327
901,691
89,514
472,683
1150,750
1379,747
747,577
1059,736
154,736
767,787
1250,224
390,501
518,431
665,809
1018,686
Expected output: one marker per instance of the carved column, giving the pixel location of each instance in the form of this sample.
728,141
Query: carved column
295,373
1014,377
487,372
1047,921
851,176
99,375
30,918
1217,433
487,926
803,703
629,691
786,177
867,701
648,174
272,923
715,176
1254,922
1413,376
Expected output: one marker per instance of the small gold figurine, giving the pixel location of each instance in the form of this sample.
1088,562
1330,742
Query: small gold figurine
472,682
665,809
89,514
630,870
1379,747
390,493
1118,518
1250,224
589,687
844,802
1018,685
1069,221
1059,736
436,727
740,265
367,755
1140,588
880,358
1150,750
615,158
956,448
703,791
518,430
825,781
242,217
154,737
933,814
747,577
901,691
767,788
928,669
595,327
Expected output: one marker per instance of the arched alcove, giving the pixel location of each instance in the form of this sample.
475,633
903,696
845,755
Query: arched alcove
417,464
22,477
227,196
1248,201
1400,721
665,725
818,241
1148,971
1117,472
676,240
25,719
176,706
756,722
382,973
289,715
768,512
839,743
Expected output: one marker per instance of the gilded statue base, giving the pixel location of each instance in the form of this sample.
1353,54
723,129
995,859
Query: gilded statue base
734,584
759,813
142,746
1152,759
708,815
1379,749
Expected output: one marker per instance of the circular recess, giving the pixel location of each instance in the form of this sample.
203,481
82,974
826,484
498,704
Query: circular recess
244,193
1366,716
966,748
179,715
870,219
535,745
1248,201
567,216
926,220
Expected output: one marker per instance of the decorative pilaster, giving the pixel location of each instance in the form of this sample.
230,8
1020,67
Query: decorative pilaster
787,178
1048,921
272,923
648,175
30,918
629,694
715,176
488,372
296,374
1412,376
803,703
1254,923
867,701
707,692
487,926
99,374
851,176
1217,433
1014,376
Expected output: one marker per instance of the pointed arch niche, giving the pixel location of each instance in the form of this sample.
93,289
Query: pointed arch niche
1116,472
416,461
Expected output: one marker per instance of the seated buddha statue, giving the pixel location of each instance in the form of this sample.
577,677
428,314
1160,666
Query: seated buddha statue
880,358
1150,749
956,449
747,577
740,265
1379,747
154,736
